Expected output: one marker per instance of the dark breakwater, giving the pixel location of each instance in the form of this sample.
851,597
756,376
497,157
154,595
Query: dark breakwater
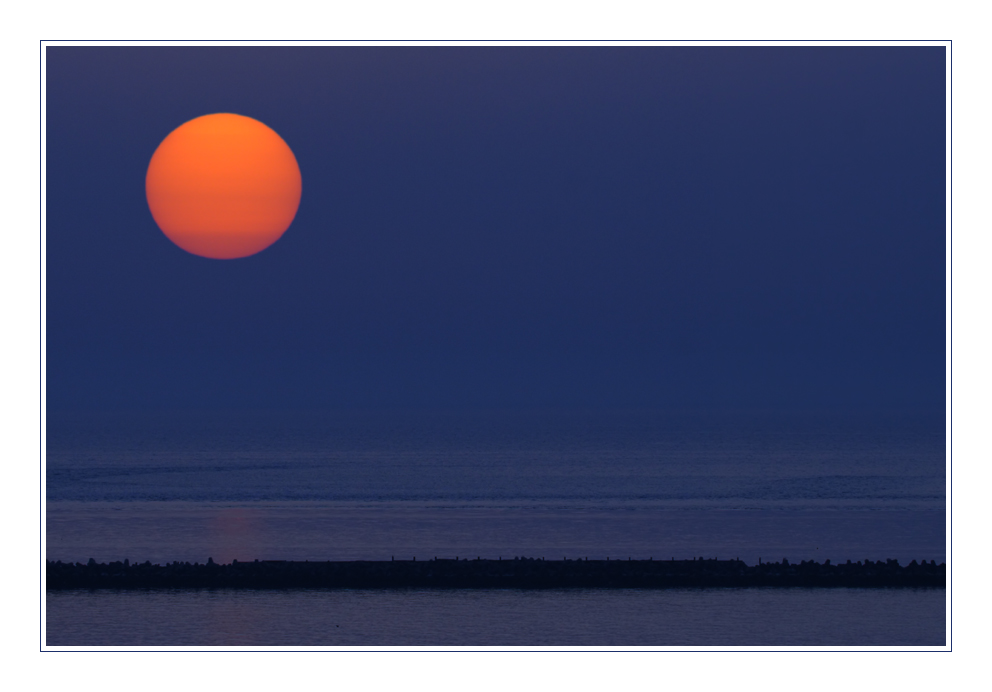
517,573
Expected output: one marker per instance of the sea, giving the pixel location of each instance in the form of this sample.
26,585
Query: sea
193,486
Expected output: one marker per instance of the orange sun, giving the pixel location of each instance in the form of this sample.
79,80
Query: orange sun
223,186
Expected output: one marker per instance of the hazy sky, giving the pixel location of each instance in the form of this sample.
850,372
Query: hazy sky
512,227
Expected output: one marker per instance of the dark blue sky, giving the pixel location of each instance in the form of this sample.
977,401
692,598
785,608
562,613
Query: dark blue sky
512,227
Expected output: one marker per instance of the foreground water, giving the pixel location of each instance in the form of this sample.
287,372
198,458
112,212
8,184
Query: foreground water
677,617
326,486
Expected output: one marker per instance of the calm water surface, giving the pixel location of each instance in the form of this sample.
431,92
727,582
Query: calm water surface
330,486
676,617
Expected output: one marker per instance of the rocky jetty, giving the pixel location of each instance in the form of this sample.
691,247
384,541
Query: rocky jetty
516,573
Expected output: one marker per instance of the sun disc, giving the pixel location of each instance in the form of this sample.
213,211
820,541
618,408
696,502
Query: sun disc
223,186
